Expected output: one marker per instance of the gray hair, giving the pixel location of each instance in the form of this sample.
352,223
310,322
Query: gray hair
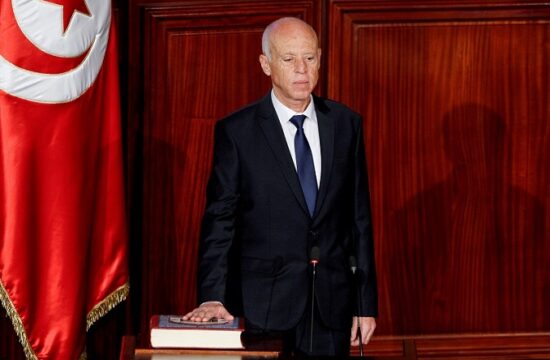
266,49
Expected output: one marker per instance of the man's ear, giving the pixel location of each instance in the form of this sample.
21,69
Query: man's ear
265,65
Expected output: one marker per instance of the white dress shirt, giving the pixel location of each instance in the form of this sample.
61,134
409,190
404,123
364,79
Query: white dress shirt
311,131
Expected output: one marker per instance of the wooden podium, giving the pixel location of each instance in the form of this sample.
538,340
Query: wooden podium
451,346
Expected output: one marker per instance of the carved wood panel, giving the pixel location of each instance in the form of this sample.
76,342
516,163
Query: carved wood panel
455,99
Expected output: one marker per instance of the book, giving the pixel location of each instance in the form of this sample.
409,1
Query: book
171,331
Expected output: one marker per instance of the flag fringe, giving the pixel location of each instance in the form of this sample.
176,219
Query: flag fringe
98,311
17,323
105,305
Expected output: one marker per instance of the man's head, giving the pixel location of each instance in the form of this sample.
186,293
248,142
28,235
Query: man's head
291,57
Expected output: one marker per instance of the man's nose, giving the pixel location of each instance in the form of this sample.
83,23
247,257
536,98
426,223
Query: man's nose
300,66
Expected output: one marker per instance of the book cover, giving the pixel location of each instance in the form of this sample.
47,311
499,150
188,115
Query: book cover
171,331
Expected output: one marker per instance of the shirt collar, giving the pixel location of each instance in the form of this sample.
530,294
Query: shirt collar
285,113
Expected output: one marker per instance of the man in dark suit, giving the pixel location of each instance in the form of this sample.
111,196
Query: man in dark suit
288,176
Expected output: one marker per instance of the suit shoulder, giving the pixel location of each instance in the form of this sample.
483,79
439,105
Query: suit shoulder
240,117
337,109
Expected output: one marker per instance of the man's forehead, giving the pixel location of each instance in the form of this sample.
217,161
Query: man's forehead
312,51
295,36
295,44
293,32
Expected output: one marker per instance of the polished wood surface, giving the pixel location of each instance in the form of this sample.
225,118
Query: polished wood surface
447,346
454,102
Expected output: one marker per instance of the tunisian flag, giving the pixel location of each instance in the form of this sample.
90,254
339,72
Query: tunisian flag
62,223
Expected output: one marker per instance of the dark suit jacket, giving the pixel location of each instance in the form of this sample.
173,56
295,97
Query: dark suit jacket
256,217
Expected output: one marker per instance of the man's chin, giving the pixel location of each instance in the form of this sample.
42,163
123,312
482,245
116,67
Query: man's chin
302,95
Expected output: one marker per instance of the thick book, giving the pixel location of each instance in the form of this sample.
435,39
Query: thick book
171,331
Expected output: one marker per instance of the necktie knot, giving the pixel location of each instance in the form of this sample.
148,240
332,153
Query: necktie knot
298,120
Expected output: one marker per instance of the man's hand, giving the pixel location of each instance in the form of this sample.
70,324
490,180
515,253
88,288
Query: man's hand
208,311
367,325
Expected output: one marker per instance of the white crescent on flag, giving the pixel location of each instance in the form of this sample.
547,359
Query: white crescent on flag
42,23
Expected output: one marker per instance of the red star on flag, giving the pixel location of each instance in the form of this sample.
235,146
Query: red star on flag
69,8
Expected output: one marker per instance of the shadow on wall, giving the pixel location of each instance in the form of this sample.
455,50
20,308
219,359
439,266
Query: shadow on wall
472,246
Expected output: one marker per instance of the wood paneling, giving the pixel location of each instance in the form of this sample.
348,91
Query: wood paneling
461,346
455,98
199,63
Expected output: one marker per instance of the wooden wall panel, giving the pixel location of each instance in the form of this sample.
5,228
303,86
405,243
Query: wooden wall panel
456,102
199,62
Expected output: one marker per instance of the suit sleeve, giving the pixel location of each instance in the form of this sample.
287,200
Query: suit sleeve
218,224
363,234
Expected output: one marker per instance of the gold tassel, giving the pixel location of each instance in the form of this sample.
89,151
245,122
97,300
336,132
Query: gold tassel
99,310
17,323
103,307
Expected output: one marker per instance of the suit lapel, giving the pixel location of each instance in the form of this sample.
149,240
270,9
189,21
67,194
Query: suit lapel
273,132
326,137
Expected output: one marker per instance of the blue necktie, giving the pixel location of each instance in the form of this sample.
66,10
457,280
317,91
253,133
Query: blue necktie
304,163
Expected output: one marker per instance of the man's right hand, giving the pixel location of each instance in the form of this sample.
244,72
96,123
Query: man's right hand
208,311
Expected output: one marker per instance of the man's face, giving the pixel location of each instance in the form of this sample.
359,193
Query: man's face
294,64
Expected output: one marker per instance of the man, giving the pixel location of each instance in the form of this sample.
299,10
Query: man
289,176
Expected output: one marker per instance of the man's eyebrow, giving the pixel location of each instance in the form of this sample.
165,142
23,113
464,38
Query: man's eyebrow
301,54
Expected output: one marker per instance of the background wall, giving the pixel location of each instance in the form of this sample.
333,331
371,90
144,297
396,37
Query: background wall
456,105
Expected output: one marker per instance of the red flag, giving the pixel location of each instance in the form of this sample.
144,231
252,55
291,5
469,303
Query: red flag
62,223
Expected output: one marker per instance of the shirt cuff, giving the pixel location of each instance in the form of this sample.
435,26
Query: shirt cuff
211,302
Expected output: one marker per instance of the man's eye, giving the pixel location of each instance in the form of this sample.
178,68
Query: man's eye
287,60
